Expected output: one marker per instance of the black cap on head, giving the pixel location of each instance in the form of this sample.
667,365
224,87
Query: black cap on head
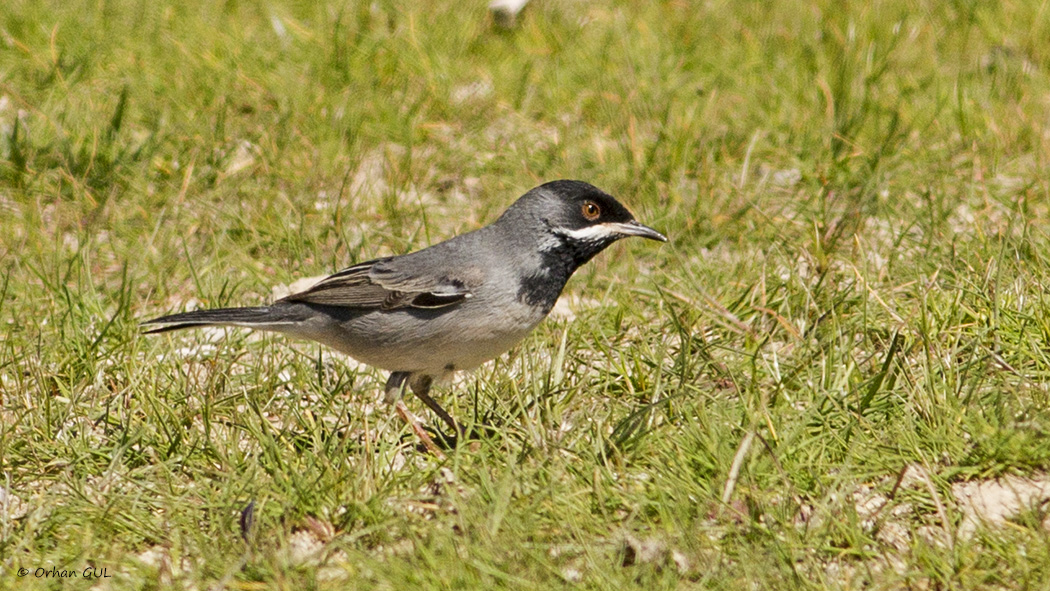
582,204
560,204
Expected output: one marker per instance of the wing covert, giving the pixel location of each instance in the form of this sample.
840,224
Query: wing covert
378,284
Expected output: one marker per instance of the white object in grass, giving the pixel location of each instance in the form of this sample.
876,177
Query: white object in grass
505,12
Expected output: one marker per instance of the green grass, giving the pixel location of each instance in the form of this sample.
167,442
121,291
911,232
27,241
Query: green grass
857,200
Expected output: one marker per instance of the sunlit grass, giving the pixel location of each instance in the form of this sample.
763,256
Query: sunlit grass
851,306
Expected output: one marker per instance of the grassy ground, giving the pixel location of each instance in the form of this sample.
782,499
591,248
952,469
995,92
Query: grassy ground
848,325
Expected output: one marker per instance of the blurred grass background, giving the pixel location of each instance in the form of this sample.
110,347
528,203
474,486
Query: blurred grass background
854,292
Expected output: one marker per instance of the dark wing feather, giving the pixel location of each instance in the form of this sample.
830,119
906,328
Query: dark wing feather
350,288
378,284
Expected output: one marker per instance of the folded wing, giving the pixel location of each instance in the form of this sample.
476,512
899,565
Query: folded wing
387,285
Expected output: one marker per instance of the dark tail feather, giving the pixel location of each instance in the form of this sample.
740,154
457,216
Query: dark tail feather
259,317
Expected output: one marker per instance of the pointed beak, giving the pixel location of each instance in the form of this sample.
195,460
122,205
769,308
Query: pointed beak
633,228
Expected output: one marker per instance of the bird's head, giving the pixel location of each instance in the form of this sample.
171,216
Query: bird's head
577,219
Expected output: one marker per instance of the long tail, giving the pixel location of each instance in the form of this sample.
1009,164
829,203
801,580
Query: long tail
263,317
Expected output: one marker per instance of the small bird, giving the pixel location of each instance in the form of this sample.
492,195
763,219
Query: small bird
452,306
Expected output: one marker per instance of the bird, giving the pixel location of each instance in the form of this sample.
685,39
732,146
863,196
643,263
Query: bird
449,307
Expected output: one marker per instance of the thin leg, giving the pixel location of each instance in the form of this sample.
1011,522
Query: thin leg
407,416
421,388
395,385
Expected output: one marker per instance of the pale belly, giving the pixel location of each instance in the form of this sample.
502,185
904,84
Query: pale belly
431,342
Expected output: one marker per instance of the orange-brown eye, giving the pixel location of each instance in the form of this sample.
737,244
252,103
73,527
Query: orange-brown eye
591,211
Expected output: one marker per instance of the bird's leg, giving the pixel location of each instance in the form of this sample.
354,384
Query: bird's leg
395,386
421,387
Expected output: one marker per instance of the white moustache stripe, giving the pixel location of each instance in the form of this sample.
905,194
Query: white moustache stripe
594,233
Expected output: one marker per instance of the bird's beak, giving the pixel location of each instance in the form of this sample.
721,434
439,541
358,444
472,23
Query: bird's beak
633,228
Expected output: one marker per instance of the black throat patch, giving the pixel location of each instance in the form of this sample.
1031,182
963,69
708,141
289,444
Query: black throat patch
542,287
